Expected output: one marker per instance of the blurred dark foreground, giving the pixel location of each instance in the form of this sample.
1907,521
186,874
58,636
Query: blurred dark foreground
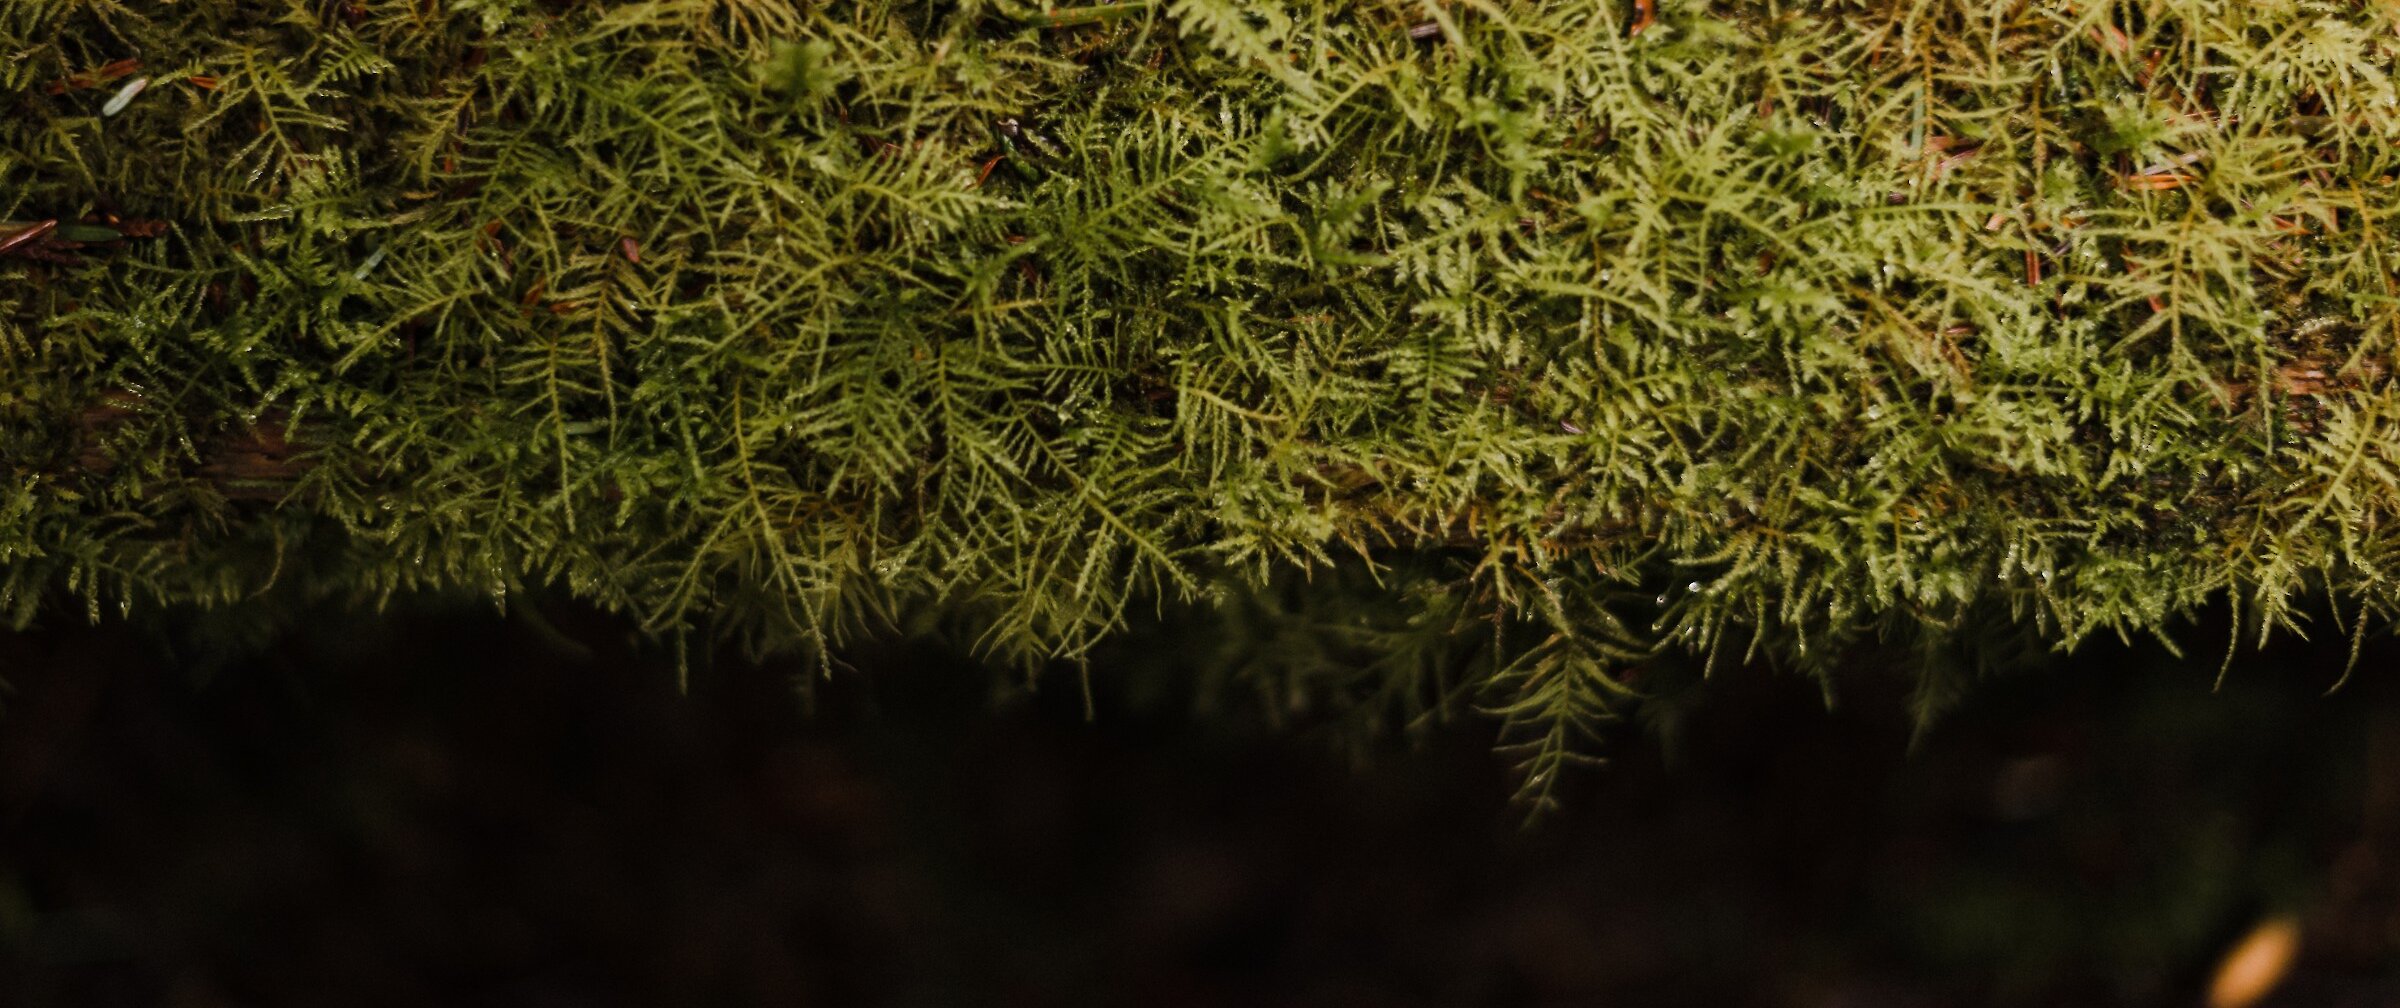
448,808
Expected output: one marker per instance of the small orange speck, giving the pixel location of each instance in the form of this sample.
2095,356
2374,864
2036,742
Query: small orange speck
2158,181
2256,964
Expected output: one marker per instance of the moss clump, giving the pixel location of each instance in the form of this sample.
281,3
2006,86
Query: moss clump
1741,327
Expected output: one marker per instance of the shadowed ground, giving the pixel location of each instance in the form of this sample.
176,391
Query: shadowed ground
451,809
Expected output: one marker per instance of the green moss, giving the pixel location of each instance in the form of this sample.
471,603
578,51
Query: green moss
1761,330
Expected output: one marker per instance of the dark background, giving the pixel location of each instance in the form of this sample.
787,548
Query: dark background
444,807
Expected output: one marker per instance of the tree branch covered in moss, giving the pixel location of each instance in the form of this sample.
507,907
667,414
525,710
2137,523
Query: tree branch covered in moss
1742,329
